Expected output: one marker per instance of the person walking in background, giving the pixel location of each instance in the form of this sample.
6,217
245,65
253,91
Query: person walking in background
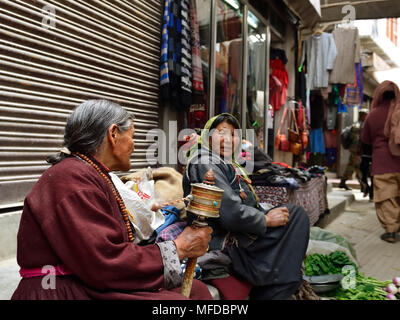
365,168
355,153
379,131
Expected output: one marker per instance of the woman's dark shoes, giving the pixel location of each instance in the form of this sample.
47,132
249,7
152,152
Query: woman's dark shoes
343,185
389,237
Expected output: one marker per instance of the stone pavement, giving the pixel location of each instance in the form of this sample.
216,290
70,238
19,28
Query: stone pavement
9,278
360,226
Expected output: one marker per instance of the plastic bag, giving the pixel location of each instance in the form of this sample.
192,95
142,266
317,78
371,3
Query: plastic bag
144,187
144,220
325,242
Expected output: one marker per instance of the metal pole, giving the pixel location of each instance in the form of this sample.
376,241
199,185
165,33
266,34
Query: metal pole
243,99
211,66
266,93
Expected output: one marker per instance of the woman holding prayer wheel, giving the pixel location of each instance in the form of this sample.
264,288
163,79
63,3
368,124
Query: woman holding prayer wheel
266,248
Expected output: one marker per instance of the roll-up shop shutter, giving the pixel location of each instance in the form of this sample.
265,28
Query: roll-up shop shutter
51,63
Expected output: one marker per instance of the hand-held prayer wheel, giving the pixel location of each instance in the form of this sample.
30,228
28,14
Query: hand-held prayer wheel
205,201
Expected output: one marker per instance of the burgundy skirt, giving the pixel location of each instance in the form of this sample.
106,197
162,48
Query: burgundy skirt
71,288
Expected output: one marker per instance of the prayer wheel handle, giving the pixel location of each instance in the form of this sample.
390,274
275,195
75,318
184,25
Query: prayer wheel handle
197,223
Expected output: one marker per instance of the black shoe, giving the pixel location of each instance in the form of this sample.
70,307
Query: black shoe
364,188
343,186
389,237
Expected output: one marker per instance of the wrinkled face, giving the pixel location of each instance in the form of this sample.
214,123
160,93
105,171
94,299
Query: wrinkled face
224,139
123,149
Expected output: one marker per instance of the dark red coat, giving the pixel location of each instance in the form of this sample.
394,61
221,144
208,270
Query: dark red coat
71,218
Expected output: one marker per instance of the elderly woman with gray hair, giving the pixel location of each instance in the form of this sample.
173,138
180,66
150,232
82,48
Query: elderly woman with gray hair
75,224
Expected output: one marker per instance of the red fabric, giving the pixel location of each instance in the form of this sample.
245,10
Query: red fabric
282,164
278,97
231,288
39,272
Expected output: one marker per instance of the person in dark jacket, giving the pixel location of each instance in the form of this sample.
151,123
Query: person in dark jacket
266,247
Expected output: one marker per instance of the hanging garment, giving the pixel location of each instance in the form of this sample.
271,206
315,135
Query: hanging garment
331,116
279,93
176,57
316,111
197,115
317,141
186,56
347,43
321,54
354,93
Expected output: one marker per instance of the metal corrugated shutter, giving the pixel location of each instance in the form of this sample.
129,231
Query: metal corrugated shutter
97,49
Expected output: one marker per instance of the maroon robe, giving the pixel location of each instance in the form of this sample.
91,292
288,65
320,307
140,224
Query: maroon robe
72,218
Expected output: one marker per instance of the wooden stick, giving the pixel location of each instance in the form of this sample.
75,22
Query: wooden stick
191,263
188,277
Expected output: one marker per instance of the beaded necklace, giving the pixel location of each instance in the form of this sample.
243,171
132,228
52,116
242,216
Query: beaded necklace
117,196
248,182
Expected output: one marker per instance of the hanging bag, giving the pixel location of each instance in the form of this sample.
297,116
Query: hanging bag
294,135
281,141
304,134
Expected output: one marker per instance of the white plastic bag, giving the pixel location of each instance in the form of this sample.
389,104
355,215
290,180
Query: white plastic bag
144,220
144,188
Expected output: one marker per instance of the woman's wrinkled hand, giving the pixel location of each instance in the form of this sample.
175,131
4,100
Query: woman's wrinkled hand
277,217
193,242
155,206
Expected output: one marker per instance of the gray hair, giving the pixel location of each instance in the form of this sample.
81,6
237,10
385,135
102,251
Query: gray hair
88,124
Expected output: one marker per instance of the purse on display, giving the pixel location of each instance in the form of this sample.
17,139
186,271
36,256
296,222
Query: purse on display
296,146
304,134
294,135
281,141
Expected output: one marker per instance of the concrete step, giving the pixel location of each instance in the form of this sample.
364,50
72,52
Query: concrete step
353,184
338,200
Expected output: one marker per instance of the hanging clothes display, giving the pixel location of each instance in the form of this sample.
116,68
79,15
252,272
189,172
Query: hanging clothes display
176,56
317,142
279,83
186,56
320,51
197,116
348,46
354,94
